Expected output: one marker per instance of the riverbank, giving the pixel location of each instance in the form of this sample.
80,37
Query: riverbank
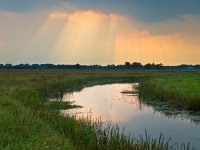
27,122
179,92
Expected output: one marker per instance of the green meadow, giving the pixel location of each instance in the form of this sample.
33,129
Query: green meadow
30,121
180,92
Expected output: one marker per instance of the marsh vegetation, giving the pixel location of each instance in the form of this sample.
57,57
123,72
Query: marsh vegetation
180,92
29,122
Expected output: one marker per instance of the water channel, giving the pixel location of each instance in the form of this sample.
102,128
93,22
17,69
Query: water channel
112,104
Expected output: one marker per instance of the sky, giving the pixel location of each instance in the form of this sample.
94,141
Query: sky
100,31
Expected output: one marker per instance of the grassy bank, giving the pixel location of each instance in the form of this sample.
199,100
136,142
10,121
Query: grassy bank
180,92
29,121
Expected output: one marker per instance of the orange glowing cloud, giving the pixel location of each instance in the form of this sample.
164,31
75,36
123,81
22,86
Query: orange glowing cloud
172,48
94,37
58,15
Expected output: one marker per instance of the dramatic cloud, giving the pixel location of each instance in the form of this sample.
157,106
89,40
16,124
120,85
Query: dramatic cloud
90,37
93,37
145,10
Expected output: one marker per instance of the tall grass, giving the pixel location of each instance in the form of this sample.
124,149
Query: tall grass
181,92
20,129
90,135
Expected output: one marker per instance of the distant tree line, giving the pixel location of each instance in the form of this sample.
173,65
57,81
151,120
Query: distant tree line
126,65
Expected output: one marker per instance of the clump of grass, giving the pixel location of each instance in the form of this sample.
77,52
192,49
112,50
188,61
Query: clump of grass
58,105
129,92
88,134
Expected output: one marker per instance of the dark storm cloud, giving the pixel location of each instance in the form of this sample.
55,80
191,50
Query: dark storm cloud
146,10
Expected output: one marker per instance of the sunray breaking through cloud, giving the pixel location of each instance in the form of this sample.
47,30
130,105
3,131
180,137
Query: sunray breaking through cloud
91,37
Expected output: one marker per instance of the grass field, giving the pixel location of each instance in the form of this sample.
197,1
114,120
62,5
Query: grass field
181,92
28,121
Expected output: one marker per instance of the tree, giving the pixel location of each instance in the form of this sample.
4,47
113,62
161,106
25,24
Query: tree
137,65
78,66
127,64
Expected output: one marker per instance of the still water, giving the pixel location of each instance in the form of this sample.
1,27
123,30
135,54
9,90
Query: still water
112,105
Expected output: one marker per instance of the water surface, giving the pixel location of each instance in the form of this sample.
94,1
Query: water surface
126,110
